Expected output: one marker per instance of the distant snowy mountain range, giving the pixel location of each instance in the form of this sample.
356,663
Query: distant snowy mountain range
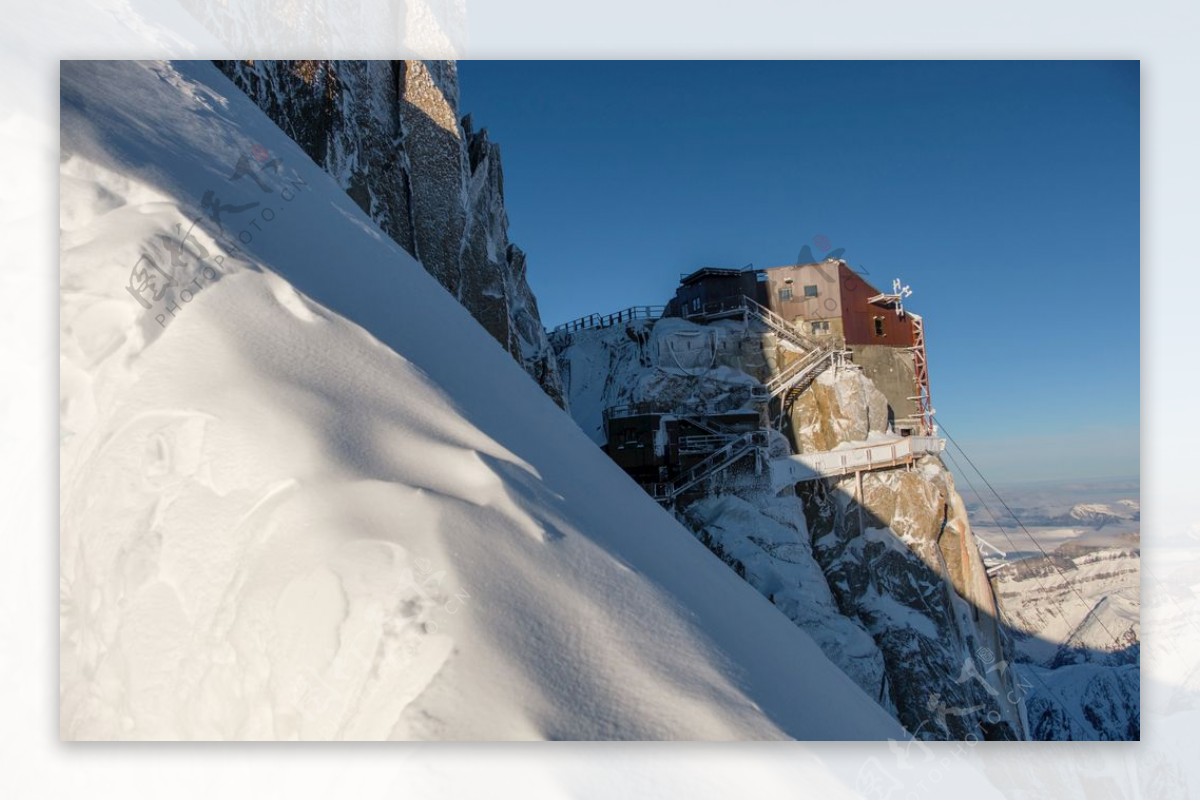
1075,609
1091,504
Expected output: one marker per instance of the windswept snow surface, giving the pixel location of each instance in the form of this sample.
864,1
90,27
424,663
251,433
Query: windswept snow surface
315,499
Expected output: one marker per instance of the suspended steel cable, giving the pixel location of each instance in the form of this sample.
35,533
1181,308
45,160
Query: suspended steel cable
942,427
1004,619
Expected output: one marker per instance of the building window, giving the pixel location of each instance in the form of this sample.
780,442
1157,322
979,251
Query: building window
878,326
696,304
785,293
810,291
820,326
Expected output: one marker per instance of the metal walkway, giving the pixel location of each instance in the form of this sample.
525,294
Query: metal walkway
590,321
798,468
803,467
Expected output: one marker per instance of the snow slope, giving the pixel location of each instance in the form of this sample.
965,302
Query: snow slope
305,495
393,136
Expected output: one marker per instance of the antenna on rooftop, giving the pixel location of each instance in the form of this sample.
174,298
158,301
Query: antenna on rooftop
900,292
895,297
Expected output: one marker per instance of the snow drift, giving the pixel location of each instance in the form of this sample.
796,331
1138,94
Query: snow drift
305,495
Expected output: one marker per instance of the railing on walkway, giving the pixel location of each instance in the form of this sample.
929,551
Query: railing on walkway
719,460
636,409
797,371
591,321
699,417
704,443
741,304
827,464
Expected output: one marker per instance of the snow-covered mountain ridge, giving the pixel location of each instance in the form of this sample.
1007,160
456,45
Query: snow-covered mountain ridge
1075,615
1069,586
305,496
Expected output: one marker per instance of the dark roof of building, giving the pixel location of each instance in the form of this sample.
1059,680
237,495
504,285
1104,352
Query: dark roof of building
708,272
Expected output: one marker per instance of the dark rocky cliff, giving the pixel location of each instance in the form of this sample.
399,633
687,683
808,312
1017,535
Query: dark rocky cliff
390,132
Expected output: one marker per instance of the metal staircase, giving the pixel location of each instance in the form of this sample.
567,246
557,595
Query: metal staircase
781,327
719,460
751,309
796,377
921,373
704,443
705,423
923,419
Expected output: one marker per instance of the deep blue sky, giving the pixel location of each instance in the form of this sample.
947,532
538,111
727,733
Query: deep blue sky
1005,193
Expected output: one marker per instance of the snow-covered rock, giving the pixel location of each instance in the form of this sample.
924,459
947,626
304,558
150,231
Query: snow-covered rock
1077,604
672,362
911,577
902,561
767,543
1099,515
838,408
390,133
1083,702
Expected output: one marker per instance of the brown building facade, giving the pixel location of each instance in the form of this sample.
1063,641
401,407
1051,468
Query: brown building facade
828,298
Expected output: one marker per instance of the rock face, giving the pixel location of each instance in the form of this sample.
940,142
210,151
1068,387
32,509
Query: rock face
891,370
897,597
1083,702
901,560
390,133
836,410
766,542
